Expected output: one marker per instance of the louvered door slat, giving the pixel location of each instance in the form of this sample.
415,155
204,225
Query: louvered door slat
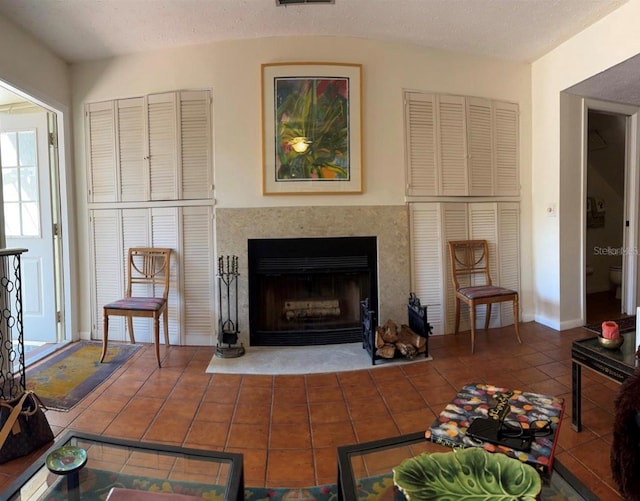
420,144
163,147
195,127
108,282
427,273
198,275
452,148
101,153
131,149
480,146
506,149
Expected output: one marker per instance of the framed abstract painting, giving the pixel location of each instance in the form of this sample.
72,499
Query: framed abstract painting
311,128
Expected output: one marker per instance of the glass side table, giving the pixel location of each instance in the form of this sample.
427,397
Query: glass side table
359,463
124,464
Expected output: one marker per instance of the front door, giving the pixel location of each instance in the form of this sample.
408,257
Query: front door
24,158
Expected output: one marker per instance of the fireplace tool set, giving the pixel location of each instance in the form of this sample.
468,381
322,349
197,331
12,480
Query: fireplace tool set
228,320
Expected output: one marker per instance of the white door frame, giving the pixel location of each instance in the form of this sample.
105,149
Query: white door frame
631,198
66,254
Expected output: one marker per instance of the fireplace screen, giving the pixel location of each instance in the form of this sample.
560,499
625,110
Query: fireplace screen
308,291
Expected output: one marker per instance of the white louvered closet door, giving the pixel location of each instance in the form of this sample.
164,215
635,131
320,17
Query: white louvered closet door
420,134
428,275
100,133
455,226
130,141
452,145
480,146
198,276
108,281
508,253
483,226
162,115
164,233
507,154
195,140
141,151
433,225
135,233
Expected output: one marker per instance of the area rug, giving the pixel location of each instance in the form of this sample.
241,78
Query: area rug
65,378
95,485
625,324
281,360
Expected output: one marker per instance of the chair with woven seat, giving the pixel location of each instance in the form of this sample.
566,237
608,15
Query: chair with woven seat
473,286
148,278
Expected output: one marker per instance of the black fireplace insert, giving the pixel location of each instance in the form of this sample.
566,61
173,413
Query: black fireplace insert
307,291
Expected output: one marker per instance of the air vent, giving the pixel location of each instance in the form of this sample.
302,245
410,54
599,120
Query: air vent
296,2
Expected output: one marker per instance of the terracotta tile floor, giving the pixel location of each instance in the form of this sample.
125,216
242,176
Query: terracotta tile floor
288,427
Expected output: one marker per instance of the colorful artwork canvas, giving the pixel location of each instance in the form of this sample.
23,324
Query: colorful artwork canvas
311,128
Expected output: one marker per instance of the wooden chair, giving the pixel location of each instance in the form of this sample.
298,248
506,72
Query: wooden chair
148,274
470,265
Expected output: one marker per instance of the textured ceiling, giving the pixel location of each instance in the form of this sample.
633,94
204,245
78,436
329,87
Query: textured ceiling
520,30
516,30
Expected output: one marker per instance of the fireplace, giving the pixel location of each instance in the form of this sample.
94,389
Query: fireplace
307,291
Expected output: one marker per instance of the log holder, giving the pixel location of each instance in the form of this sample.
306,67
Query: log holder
228,316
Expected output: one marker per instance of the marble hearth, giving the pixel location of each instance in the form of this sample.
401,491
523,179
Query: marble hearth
389,224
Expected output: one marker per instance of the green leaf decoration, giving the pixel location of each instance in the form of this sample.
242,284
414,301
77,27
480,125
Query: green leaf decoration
470,474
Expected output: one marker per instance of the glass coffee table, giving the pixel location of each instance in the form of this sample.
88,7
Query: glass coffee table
366,469
117,467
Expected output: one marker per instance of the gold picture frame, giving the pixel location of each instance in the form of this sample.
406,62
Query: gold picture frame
311,128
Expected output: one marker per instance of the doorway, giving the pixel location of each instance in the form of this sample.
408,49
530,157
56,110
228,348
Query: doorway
28,162
609,276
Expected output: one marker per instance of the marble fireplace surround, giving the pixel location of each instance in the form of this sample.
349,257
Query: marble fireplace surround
390,224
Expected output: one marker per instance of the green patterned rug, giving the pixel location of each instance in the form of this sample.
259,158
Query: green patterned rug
65,378
95,485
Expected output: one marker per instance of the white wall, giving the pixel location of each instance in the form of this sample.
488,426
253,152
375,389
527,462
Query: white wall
232,71
32,68
556,158
33,71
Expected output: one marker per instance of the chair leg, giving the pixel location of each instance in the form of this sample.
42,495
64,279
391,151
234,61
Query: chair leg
487,317
472,314
457,316
105,335
156,338
132,336
166,327
516,318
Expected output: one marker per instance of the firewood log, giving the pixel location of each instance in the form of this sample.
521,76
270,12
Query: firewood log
387,351
407,335
390,332
407,350
379,341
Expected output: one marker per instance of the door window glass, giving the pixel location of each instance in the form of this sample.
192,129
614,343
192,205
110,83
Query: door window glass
18,158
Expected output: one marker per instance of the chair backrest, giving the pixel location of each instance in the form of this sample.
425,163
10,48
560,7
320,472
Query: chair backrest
469,262
150,267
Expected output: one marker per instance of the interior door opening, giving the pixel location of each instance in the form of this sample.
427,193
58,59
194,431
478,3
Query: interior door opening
607,257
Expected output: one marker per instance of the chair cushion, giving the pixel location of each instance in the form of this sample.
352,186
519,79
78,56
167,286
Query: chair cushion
484,291
137,303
